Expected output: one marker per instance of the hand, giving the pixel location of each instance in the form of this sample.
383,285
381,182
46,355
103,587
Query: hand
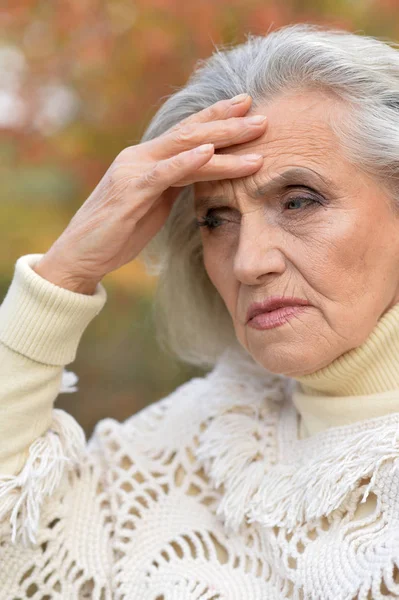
134,198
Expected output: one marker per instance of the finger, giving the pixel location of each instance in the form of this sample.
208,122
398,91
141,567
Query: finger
224,109
223,133
164,174
224,166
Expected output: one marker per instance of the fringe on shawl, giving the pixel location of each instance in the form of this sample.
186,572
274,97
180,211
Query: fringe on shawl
234,451
68,382
239,441
239,452
293,494
50,456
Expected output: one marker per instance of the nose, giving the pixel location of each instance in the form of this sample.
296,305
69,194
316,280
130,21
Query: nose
258,252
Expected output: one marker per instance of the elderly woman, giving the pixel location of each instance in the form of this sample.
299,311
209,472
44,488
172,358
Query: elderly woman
265,195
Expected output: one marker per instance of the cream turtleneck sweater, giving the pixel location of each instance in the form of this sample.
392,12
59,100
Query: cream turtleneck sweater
360,384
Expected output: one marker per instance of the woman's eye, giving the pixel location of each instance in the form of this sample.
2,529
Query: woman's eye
212,221
299,200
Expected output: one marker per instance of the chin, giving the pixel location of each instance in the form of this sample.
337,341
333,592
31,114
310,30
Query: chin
277,361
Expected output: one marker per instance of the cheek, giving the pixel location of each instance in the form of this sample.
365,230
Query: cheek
354,247
345,256
219,269
213,265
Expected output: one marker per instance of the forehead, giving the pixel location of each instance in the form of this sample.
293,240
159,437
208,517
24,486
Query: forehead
298,134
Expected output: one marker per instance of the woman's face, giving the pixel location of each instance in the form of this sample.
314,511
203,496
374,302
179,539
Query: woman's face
330,238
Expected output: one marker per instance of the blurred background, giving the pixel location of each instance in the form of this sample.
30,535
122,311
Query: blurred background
79,81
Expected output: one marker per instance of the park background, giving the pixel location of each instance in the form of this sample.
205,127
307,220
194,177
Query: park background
79,81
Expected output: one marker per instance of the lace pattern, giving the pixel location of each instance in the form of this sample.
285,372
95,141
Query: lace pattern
209,495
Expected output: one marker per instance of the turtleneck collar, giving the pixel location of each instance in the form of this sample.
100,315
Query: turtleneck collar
360,384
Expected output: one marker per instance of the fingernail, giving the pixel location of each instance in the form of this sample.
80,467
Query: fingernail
203,149
252,157
258,120
238,99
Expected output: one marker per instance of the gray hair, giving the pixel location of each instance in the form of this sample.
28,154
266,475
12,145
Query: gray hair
192,321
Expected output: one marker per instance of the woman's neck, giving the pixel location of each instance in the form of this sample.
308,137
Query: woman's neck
362,383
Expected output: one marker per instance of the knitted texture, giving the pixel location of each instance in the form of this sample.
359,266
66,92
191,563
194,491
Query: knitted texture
208,494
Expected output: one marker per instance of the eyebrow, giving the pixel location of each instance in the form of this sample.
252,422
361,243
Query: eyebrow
291,177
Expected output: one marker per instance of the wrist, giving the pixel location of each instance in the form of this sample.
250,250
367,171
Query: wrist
62,279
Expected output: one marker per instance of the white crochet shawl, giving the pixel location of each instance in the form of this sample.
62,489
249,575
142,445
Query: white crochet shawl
208,494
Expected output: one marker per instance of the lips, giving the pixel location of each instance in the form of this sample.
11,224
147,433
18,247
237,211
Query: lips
273,303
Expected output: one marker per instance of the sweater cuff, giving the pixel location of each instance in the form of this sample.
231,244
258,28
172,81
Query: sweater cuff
43,321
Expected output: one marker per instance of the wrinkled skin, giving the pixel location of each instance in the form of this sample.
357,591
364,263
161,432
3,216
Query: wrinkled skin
342,256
